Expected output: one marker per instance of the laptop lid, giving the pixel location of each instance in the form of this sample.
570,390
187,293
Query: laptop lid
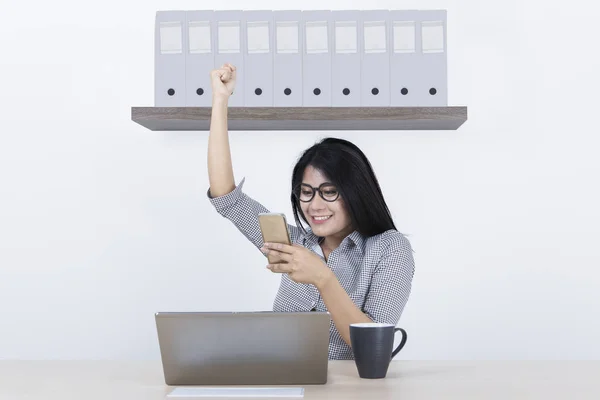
244,348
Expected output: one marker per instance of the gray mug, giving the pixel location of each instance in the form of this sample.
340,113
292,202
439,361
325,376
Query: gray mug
373,347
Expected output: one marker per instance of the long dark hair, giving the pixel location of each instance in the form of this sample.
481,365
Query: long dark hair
347,167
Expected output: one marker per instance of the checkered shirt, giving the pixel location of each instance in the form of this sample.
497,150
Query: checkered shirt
375,271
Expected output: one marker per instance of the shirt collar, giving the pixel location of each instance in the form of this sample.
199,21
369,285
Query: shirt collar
310,239
355,239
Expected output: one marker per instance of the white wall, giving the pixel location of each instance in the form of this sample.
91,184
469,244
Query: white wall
103,222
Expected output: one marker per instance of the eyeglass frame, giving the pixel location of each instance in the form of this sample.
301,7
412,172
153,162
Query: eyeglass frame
316,189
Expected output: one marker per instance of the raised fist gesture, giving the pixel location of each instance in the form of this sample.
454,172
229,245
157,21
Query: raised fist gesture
223,81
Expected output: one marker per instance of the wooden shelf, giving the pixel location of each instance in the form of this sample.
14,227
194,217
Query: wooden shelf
303,118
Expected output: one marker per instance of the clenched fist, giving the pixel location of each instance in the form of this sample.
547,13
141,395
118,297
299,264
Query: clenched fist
223,81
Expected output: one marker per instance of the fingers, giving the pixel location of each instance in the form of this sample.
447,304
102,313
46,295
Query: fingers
225,73
230,69
231,74
220,74
278,254
284,248
281,268
233,71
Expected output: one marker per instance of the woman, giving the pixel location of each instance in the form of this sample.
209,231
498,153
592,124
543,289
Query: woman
351,261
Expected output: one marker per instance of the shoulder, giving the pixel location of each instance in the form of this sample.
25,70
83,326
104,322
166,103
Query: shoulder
390,241
391,244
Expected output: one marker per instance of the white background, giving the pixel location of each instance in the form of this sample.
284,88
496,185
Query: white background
103,222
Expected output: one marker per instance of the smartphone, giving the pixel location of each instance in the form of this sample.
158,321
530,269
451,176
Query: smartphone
274,229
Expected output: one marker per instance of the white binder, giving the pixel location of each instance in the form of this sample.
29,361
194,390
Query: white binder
405,58
375,72
231,41
258,58
346,59
434,77
200,58
169,59
287,58
418,59
316,58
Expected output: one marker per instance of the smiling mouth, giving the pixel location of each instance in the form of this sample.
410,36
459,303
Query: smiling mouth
321,218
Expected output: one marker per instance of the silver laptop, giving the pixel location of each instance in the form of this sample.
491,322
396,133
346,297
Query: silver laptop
244,348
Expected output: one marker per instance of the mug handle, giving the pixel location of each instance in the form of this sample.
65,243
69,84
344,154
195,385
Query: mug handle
402,342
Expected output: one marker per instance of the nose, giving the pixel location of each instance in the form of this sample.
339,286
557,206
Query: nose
317,203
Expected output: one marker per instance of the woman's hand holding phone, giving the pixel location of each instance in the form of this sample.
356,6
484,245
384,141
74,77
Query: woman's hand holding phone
301,264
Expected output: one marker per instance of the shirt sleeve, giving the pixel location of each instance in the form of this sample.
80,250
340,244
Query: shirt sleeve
391,282
242,211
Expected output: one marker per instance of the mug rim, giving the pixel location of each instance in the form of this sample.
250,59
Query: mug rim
372,325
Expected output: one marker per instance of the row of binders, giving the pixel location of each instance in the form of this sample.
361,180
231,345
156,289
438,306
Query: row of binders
315,58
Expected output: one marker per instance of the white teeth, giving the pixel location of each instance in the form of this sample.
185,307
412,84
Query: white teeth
321,218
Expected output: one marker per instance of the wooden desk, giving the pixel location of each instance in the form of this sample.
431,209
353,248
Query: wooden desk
406,380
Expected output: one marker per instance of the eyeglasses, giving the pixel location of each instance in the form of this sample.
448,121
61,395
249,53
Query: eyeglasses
327,191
